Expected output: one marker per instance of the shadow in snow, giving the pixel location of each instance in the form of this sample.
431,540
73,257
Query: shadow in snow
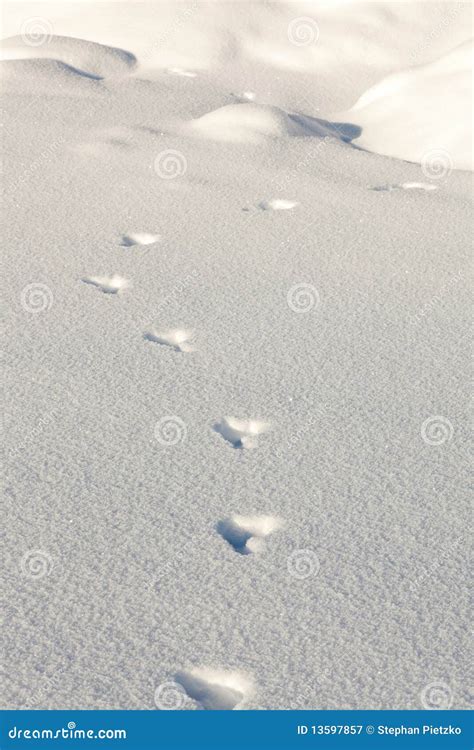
343,131
235,535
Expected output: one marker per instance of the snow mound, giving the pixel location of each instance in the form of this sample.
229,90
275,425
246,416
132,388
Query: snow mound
246,533
42,77
215,690
95,60
246,122
421,114
324,39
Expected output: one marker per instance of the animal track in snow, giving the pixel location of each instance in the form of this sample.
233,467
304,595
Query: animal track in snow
405,186
107,284
277,204
241,433
215,690
179,339
181,72
246,534
139,238
418,186
245,96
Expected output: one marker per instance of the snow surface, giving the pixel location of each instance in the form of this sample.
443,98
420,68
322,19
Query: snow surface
152,560
412,114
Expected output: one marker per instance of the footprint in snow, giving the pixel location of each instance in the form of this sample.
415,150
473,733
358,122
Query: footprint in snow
241,433
246,534
245,96
276,204
405,186
180,340
213,689
181,72
139,238
107,284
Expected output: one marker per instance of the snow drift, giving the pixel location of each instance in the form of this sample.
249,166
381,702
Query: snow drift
422,114
88,58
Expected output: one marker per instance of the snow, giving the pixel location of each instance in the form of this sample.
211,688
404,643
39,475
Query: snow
107,284
179,339
241,433
140,238
93,60
246,533
277,204
406,116
247,123
189,177
215,689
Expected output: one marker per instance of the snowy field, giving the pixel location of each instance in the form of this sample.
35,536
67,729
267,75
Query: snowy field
237,244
